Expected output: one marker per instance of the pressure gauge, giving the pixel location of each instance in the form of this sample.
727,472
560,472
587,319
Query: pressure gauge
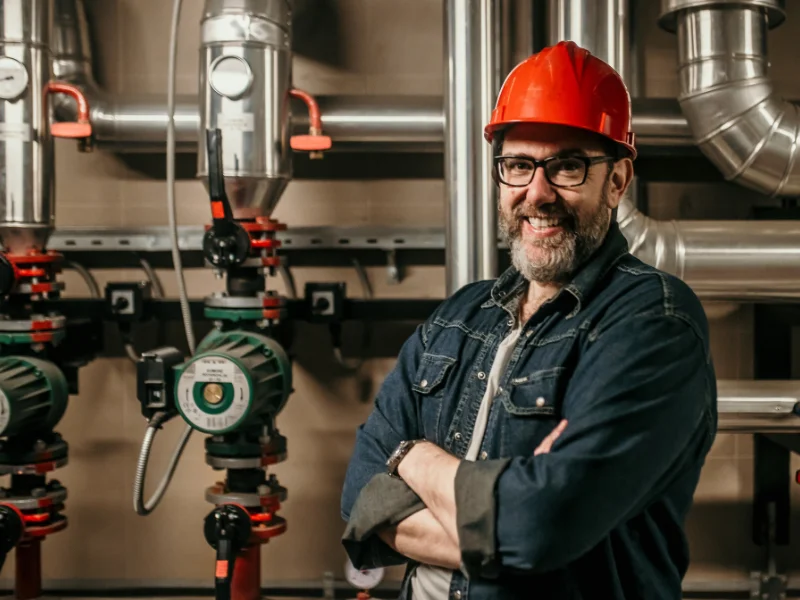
230,76
365,579
13,78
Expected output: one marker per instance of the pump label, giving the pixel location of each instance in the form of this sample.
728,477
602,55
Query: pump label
210,407
215,369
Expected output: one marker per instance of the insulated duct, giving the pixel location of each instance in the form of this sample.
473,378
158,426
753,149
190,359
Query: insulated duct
737,119
472,81
27,212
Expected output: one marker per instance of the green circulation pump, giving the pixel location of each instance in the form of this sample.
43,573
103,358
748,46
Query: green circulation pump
33,395
235,380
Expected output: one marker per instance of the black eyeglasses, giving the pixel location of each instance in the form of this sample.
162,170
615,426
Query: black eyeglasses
560,171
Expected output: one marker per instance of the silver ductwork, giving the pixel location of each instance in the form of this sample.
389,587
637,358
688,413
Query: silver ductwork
245,79
737,119
472,81
602,26
27,212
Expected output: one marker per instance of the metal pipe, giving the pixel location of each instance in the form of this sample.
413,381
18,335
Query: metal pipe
738,120
731,260
600,26
27,212
758,406
472,84
244,79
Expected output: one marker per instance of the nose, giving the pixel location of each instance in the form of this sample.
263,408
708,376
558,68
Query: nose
539,190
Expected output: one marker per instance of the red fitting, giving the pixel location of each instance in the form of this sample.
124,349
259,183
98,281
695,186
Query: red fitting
81,128
314,142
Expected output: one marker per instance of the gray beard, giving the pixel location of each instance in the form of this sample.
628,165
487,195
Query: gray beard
565,252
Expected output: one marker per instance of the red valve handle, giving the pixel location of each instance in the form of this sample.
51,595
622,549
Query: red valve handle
82,128
314,142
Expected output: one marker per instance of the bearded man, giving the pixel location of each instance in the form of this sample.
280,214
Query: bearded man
542,434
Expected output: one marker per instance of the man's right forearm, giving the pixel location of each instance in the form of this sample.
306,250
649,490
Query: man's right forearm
422,538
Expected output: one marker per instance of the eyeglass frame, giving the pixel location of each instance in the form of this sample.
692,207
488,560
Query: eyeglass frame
589,161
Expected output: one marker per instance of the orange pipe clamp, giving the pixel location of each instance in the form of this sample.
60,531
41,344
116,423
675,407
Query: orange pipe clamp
82,128
315,142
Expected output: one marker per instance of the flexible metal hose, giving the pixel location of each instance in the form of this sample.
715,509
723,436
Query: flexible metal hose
141,507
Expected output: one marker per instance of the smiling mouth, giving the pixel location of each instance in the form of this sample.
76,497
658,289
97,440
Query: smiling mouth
543,227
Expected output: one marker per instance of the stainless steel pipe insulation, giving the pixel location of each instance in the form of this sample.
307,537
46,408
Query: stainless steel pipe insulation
27,212
472,81
245,75
737,119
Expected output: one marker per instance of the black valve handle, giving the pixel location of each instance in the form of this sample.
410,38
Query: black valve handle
226,244
227,530
220,205
8,276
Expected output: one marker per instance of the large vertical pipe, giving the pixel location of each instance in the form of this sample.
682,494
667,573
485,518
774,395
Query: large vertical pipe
472,85
603,28
245,77
26,147
600,26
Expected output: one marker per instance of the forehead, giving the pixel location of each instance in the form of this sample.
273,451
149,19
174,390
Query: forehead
540,140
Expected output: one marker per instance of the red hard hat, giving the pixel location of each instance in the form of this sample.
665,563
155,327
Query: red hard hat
566,85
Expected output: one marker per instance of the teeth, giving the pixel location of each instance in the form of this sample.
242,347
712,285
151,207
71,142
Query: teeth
543,223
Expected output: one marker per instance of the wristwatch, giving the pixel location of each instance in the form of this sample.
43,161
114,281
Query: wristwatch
398,455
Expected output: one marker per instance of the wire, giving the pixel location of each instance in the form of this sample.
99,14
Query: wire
145,508
366,290
91,282
140,506
158,289
173,217
288,281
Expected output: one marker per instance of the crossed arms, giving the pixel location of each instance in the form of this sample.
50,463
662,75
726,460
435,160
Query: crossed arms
641,389
430,536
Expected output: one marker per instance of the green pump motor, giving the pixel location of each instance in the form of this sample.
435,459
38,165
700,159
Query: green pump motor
33,395
235,380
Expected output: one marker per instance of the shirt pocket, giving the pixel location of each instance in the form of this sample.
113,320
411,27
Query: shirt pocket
531,410
429,383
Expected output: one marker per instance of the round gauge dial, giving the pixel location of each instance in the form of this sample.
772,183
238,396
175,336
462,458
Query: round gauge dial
230,76
13,78
363,579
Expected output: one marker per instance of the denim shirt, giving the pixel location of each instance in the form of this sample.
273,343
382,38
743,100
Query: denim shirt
621,352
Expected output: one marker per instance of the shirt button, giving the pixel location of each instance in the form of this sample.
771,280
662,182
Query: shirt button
457,595
423,383
481,375
483,455
540,401
510,322
457,436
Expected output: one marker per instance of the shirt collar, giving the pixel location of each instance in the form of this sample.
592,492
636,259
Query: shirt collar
511,285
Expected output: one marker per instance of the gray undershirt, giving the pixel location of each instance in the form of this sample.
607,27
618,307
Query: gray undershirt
430,582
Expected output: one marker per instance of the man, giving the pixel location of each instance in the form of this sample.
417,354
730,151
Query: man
542,435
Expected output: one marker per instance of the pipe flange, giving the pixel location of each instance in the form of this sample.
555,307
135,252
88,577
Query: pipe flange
33,468
668,19
262,300
258,462
35,323
268,496
48,498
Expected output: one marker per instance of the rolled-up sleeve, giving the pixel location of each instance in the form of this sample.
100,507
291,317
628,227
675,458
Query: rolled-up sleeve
640,404
371,499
